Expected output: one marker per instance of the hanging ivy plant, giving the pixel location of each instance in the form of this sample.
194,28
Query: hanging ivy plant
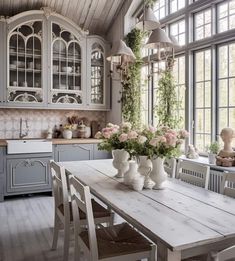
131,76
131,80
168,105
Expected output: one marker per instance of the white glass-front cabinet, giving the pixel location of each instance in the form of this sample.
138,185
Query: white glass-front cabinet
24,84
52,63
97,72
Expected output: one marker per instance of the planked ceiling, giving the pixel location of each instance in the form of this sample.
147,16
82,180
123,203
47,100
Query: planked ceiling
93,15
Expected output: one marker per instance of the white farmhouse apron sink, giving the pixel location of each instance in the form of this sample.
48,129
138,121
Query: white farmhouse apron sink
28,146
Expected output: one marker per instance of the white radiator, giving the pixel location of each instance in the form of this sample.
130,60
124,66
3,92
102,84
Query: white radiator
215,180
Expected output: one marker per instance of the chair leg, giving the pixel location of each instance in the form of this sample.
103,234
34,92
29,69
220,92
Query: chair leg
66,241
55,232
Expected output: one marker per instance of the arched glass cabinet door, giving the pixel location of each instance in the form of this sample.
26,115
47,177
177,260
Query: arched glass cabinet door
25,63
66,67
97,74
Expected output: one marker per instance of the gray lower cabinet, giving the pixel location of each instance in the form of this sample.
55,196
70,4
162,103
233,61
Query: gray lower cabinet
27,174
73,152
101,154
2,170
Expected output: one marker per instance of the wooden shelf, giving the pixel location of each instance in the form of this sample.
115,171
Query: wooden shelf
65,73
38,56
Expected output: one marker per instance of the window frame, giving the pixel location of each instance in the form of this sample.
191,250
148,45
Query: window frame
188,50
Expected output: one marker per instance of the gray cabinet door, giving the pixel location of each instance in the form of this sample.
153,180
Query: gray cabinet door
74,152
101,154
28,175
2,169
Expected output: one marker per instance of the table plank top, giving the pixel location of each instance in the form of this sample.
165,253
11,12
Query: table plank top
181,215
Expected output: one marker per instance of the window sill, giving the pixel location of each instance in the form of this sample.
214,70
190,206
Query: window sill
205,161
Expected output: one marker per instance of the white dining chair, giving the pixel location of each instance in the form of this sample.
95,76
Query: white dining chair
193,173
228,185
170,167
224,255
63,208
115,243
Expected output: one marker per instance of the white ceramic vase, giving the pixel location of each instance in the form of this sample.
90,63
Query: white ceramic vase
67,134
138,182
131,173
120,162
212,158
158,174
145,168
145,165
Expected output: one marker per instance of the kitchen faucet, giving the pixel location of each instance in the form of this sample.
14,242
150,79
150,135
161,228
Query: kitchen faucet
26,132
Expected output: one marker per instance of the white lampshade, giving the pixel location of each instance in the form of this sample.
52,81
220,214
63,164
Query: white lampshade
148,21
158,39
120,51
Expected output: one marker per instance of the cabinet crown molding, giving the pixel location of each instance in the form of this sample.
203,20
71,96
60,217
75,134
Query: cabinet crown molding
48,11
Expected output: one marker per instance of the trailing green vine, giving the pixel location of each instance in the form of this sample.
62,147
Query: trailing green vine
131,80
168,105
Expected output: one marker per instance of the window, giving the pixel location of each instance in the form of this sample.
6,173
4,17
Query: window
144,96
179,74
202,24
178,31
176,5
160,8
226,86
226,16
202,99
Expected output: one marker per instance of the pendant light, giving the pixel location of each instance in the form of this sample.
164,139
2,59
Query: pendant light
120,51
148,21
158,39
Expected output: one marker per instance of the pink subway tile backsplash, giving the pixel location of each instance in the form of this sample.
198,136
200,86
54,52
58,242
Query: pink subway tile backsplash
40,120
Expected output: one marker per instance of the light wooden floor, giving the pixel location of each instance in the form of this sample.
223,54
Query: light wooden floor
26,230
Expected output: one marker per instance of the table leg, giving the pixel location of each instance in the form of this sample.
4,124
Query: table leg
164,254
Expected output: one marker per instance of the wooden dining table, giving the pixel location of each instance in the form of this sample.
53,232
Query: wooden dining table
183,220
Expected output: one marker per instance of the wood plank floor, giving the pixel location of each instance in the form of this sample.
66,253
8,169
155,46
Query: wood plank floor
26,226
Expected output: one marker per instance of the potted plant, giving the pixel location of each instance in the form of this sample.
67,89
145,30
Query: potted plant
67,131
213,150
163,143
115,139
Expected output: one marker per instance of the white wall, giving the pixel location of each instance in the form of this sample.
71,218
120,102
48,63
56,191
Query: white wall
123,24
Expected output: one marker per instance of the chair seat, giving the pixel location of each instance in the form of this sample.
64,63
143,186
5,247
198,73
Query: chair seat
98,211
118,240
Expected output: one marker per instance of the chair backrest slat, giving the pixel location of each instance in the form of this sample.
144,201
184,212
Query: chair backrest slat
228,185
60,187
226,254
194,173
81,199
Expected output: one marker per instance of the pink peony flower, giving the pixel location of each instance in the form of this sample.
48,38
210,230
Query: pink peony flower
183,134
152,129
170,139
98,135
132,135
162,139
153,142
107,135
142,139
123,137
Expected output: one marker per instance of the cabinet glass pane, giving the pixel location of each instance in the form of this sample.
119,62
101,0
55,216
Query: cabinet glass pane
97,74
66,67
25,63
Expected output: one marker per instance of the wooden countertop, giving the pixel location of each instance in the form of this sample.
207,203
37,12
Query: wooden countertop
62,141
